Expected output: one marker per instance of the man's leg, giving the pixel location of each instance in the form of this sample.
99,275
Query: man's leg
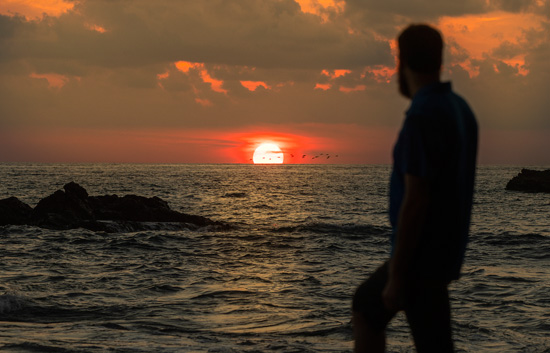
429,315
370,317
367,339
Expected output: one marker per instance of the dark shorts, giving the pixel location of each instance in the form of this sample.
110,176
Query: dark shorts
426,305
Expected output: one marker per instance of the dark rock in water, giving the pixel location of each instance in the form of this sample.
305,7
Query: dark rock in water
78,191
63,210
14,211
139,209
130,208
530,181
73,208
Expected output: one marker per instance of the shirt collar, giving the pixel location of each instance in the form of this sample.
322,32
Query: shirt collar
441,87
436,87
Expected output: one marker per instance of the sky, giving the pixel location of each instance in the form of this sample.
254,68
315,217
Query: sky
207,81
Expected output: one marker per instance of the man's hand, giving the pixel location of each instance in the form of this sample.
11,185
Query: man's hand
412,215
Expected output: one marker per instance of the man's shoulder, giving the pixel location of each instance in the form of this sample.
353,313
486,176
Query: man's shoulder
425,105
434,104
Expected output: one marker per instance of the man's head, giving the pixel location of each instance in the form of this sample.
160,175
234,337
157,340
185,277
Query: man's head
421,51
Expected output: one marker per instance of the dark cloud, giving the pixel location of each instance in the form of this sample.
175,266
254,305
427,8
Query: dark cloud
539,7
454,52
508,50
417,10
398,11
514,5
504,99
273,34
8,25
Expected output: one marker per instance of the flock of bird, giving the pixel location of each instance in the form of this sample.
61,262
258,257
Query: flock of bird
320,155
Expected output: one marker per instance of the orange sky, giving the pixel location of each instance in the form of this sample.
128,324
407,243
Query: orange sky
189,82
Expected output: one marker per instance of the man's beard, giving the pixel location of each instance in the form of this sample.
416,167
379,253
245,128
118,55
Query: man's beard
404,88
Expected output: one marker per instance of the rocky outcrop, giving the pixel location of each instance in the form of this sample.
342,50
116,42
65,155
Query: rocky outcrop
14,211
74,208
530,181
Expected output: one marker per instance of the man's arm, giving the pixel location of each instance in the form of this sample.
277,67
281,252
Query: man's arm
412,216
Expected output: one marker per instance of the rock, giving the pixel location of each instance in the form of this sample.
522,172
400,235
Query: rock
76,190
530,181
74,208
14,211
139,208
62,210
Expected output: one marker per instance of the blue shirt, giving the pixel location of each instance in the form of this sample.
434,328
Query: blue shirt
438,142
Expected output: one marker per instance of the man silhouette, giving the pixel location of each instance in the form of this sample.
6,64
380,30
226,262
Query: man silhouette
431,191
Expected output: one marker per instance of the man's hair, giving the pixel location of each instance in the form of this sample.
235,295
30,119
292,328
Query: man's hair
421,48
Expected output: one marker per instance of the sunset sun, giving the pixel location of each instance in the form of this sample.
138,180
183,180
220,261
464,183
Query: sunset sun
268,153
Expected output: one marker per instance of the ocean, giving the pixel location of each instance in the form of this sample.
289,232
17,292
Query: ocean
280,280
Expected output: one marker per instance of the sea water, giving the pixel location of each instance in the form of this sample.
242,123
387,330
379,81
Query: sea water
280,280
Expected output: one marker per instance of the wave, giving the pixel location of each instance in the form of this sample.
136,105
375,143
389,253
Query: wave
348,229
34,312
263,207
131,227
226,294
114,326
337,328
35,347
235,194
10,303
164,288
510,238
121,227
531,245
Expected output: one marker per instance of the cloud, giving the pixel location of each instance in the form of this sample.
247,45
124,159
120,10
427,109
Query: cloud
229,65
32,9
498,37
335,73
383,17
253,85
323,86
517,6
352,89
326,9
54,80
245,33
